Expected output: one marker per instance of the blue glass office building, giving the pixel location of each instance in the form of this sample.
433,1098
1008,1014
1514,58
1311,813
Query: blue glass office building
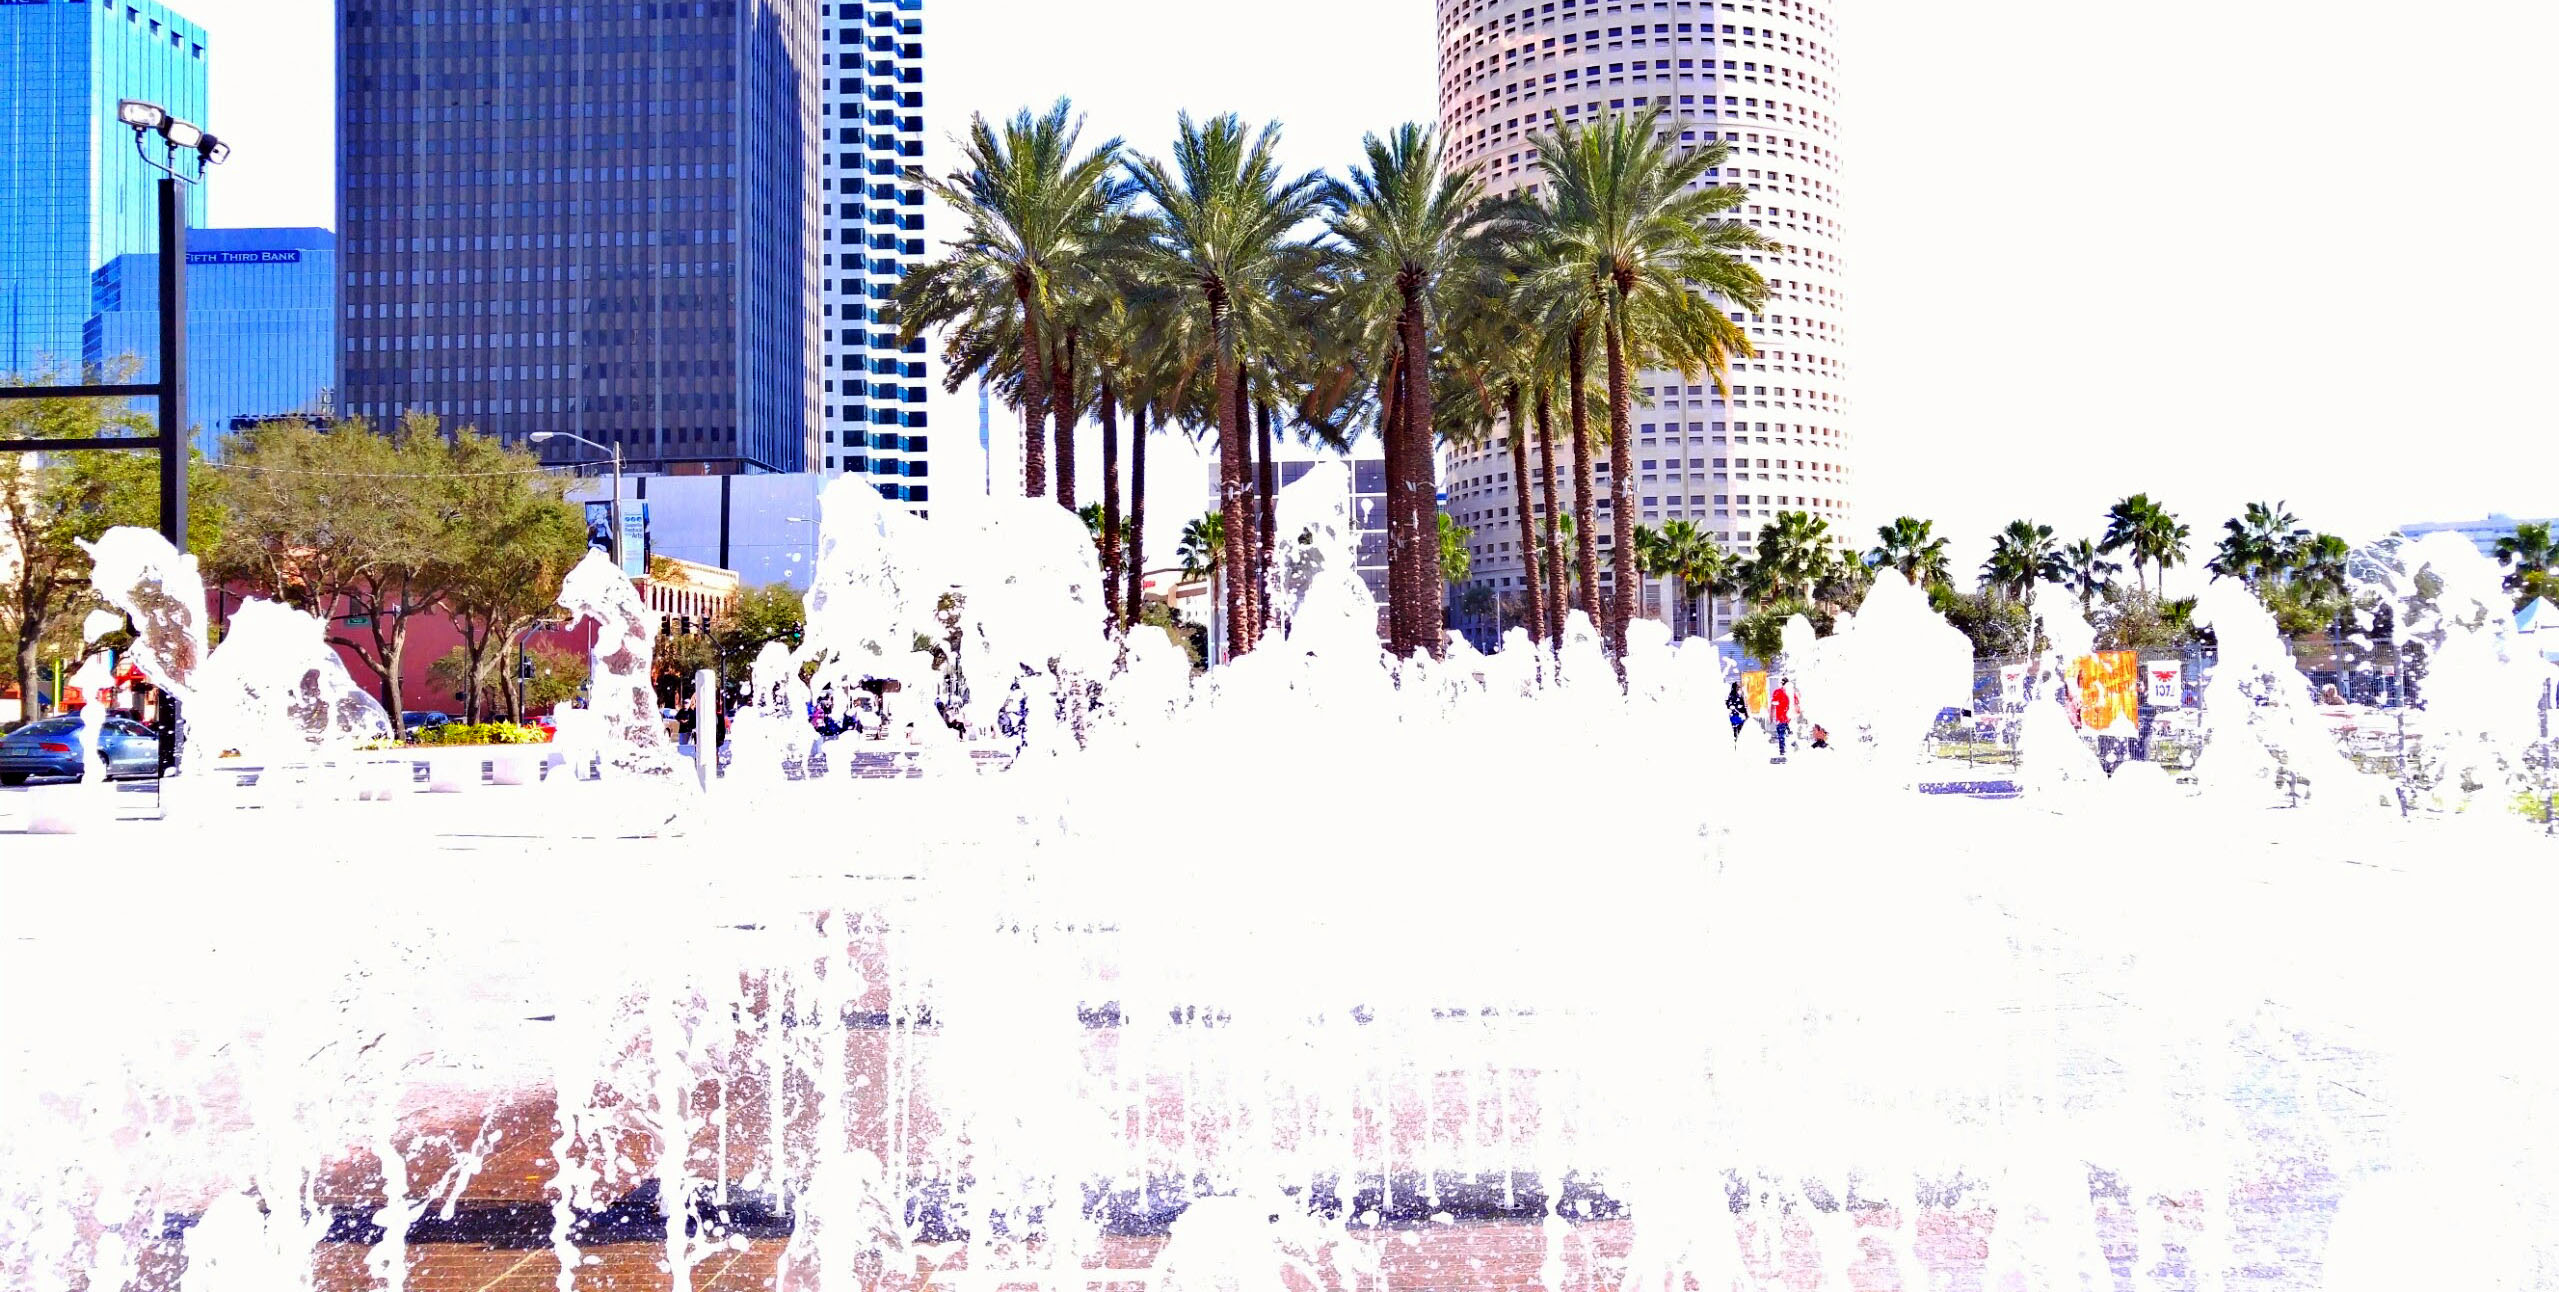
595,218
260,335
873,66
74,194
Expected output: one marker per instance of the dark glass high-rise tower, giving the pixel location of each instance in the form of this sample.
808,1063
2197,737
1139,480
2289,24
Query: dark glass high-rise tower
597,218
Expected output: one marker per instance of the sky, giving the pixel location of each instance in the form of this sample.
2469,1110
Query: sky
2214,250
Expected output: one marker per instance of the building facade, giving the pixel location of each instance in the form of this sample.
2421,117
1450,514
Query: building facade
261,327
1759,77
74,192
596,219
2483,533
872,401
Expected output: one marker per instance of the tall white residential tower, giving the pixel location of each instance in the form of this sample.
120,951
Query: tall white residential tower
874,390
1759,75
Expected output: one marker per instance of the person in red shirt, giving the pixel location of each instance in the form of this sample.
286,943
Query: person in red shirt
1781,712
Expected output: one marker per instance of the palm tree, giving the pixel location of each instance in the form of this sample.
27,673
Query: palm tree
2259,545
2161,541
1027,205
1843,581
2021,556
1224,218
1788,563
1202,550
1410,227
1687,557
2086,571
1489,362
1634,228
2534,557
2126,523
1907,545
2320,567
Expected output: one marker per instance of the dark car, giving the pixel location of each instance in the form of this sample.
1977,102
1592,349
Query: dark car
51,747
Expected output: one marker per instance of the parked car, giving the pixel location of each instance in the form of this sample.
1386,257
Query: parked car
52,747
412,718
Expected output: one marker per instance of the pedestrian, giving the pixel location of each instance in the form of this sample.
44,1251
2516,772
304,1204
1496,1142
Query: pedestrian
1737,709
1781,712
1821,736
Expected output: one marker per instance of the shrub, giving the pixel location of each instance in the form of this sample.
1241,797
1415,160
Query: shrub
478,733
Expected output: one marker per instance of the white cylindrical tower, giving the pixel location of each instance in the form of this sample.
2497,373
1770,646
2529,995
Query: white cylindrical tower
1758,76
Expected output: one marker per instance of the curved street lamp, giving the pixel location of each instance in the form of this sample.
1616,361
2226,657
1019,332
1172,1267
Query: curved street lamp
539,437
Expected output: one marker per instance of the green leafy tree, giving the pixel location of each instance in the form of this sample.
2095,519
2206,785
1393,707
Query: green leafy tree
559,675
48,505
515,538
2139,619
1997,625
1455,562
771,612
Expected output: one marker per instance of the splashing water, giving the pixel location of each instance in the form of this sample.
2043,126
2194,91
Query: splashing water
1306,961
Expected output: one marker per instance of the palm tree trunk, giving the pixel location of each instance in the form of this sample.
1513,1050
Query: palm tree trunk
1063,408
1430,616
1136,571
1248,569
1269,537
1399,633
1585,538
1230,474
1110,412
1034,398
1621,460
1553,629
1527,528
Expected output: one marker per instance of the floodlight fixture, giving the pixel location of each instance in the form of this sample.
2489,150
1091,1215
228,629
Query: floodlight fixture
140,115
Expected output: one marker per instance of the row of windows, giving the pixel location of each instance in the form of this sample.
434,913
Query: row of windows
1796,10
1734,69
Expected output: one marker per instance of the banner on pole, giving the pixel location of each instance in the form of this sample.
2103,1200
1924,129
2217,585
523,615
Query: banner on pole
2012,685
635,539
1755,691
2164,683
2109,689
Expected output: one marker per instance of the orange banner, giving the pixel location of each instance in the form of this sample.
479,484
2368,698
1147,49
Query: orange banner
1755,691
2109,689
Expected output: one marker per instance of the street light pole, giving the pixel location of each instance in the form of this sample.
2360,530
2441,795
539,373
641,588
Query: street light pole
173,364
614,536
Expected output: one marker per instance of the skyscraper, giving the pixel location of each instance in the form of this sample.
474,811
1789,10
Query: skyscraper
1759,76
594,218
74,193
874,390
260,324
